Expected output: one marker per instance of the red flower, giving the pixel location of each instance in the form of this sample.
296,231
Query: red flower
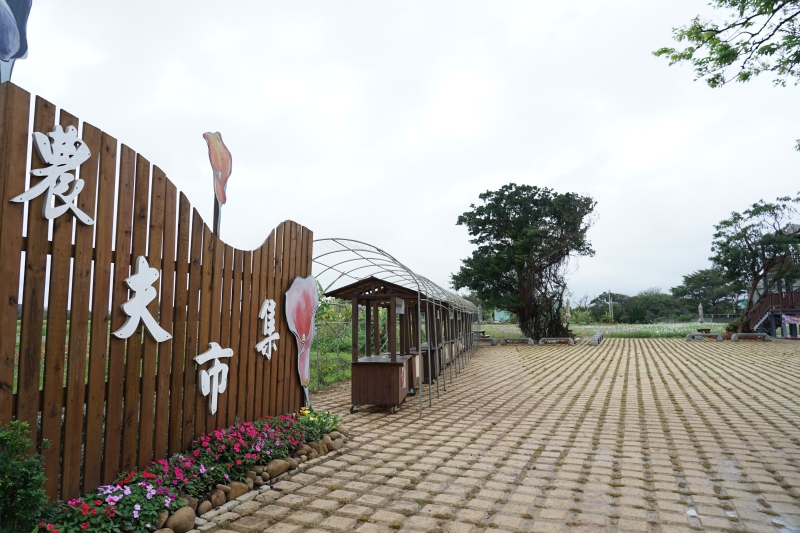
98,502
85,526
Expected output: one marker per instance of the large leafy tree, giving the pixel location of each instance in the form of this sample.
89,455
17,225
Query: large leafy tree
750,37
711,288
525,236
759,247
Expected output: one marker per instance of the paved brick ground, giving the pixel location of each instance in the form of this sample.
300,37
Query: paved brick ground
633,435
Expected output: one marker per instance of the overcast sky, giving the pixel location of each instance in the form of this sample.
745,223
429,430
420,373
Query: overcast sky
384,121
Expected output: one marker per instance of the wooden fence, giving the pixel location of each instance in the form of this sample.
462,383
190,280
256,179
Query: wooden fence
106,404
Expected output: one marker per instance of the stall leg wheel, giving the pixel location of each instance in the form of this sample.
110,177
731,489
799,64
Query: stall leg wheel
394,409
354,409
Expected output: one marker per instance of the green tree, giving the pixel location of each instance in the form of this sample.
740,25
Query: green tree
753,36
525,237
599,306
710,288
758,248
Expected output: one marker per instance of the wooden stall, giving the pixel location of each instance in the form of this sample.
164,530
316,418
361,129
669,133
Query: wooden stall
382,377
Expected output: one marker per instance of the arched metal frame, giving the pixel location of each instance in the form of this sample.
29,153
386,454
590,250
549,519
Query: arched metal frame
341,262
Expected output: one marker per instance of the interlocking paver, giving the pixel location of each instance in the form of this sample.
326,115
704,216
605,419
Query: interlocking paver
631,435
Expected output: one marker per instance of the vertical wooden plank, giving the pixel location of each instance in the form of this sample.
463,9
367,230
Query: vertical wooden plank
255,305
166,313
133,354
30,343
215,301
98,338
119,295
177,376
192,322
234,332
155,229
79,316
226,310
203,333
278,295
268,283
304,270
289,345
261,374
55,343
290,375
246,346
15,109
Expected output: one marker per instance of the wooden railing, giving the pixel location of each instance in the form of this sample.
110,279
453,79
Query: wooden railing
777,301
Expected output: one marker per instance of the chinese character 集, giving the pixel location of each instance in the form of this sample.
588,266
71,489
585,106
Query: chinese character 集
267,314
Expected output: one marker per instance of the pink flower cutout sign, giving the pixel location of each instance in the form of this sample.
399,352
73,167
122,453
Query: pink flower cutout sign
302,299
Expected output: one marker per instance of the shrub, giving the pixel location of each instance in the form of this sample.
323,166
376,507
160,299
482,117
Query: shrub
734,325
22,494
316,424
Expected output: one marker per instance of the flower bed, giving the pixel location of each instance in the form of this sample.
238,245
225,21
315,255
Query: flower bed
218,467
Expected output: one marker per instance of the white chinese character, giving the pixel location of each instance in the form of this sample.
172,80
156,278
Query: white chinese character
64,152
136,308
213,381
267,314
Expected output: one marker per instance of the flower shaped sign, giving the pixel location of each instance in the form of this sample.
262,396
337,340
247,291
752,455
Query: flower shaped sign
302,299
221,164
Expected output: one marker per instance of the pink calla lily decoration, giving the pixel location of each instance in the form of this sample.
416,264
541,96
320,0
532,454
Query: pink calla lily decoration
302,300
221,164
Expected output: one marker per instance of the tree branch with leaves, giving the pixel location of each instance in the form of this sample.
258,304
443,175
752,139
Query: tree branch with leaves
755,36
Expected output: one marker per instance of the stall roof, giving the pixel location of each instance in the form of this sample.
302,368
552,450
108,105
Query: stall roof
368,284
339,263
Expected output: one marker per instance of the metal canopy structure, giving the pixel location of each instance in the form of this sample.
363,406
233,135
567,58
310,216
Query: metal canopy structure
339,263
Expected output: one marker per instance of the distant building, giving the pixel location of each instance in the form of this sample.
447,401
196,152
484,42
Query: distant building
501,316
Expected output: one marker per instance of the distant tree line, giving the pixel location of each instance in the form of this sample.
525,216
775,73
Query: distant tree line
707,287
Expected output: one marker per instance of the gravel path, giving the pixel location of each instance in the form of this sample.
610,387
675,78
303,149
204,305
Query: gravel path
633,435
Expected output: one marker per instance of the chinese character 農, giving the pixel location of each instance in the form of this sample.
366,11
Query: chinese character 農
141,283
213,381
63,153
267,314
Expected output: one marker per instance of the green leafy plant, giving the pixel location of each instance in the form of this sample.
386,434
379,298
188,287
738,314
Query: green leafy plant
79,515
317,423
22,494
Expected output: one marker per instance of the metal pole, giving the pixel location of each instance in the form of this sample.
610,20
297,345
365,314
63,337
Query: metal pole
440,348
419,353
430,371
217,215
